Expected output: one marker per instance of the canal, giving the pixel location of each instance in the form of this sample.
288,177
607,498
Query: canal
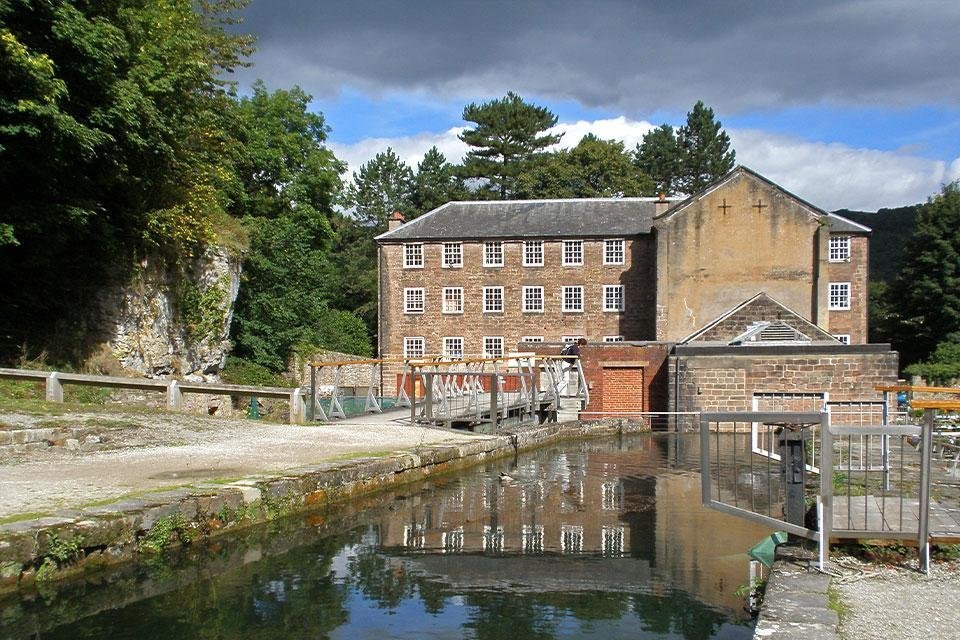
599,539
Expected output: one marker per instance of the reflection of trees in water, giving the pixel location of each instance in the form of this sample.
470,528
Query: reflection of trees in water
380,578
677,613
506,616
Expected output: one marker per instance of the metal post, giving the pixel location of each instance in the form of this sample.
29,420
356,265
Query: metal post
923,531
825,521
885,442
793,472
705,460
311,412
494,409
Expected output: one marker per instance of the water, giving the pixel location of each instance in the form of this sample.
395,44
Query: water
592,540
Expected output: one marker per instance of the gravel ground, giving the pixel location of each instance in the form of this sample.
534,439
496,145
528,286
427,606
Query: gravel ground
885,602
122,454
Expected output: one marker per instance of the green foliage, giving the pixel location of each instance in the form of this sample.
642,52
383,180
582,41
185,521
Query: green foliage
164,532
594,168
659,156
926,293
240,371
943,366
705,152
891,230
508,134
383,185
59,554
435,183
202,308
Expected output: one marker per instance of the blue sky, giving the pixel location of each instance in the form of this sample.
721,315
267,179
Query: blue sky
847,104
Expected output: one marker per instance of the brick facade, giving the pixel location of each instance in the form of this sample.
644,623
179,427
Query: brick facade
852,322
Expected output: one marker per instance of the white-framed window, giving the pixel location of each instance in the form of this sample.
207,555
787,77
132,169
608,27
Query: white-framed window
452,254
573,299
493,299
614,251
414,347
613,338
533,299
452,300
844,338
611,496
571,538
531,339
839,296
532,538
572,253
493,254
533,253
492,539
611,541
452,541
414,300
493,346
613,297
569,339
453,347
839,248
413,256
413,536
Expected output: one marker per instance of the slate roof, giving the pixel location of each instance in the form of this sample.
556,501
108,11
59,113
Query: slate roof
575,218
841,224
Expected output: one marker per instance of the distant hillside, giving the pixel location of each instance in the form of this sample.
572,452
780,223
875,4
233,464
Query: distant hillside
891,228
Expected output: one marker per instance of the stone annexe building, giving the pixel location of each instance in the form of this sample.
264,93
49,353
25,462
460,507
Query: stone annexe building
743,261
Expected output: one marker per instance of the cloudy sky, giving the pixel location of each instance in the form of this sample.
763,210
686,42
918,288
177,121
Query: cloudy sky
847,104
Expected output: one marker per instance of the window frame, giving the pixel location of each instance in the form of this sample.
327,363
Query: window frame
447,353
841,252
623,251
528,249
409,309
571,253
447,253
531,339
523,304
611,339
408,340
834,293
563,298
844,338
412,249
486,299
487,246
614,288
489,354
444,300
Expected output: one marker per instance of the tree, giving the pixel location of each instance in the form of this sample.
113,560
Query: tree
658,156
436,183
114,144
943,366
594,168
383,185
508,133
926,293
704,150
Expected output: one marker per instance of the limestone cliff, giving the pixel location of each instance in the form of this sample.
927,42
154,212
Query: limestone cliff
174,321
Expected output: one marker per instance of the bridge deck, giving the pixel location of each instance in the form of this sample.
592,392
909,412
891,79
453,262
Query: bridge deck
879,513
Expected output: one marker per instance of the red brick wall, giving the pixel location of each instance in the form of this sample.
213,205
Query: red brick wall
854,271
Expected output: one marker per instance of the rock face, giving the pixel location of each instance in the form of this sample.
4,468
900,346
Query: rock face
175,322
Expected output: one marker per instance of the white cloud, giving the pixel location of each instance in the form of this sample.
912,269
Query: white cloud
828,175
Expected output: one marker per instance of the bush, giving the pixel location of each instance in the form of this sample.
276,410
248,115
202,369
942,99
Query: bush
240,371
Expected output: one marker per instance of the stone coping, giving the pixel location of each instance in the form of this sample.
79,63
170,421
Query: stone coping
795,602
75,543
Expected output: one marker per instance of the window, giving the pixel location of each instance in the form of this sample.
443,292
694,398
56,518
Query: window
569,339
532,538
493,299
572,253
493,254
413,256
413,536
573,299
453,348
839,248
492,539
844,338
611,542
613,251
533,299
492,347
452,300
839,295
531,339
452,254
533,253
613,338
613,297
611,496
571,538
452,541
413,300
413,347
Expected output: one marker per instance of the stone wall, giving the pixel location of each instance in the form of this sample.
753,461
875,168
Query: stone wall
163,324
852,322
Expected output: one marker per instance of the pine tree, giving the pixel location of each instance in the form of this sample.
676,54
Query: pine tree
509,133
658,156
383,185
436,182
704,150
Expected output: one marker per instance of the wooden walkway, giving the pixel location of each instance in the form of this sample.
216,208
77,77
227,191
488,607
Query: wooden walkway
878,513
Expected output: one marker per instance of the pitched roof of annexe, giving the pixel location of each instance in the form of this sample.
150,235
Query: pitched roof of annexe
574,218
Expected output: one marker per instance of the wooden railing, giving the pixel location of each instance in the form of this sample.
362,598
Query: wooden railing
174,389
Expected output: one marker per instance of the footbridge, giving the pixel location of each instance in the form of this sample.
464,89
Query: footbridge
478,394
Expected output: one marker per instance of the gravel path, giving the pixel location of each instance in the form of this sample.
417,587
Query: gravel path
885,603
133,453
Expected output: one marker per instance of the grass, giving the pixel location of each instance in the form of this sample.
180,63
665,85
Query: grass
19,517
835,603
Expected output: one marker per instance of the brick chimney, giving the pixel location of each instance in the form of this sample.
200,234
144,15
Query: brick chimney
396,219
662,204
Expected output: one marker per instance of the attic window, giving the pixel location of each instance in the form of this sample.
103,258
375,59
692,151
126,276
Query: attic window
770,333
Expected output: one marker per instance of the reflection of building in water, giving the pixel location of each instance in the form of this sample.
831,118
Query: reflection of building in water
597,505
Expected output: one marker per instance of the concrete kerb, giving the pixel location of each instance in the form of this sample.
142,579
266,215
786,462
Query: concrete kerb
795,602
77,542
